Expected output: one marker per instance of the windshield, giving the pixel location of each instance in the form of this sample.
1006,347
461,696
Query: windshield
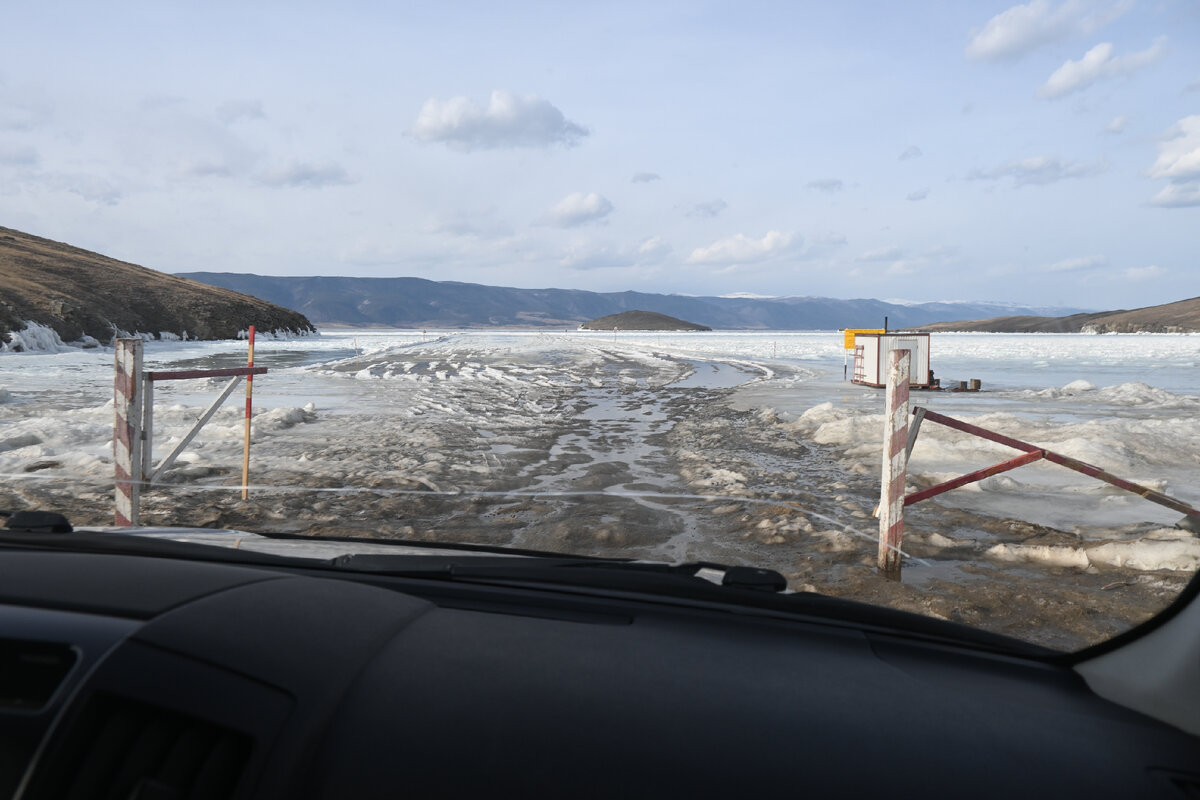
750,169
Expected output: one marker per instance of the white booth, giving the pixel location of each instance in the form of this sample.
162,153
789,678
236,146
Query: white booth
871,359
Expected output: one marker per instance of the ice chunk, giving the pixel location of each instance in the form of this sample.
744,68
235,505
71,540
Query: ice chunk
33,338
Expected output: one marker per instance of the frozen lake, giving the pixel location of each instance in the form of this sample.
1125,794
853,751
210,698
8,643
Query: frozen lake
743,447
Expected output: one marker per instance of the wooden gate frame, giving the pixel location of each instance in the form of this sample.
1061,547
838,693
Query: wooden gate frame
133,427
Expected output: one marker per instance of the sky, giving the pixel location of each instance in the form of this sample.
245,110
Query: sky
1045,153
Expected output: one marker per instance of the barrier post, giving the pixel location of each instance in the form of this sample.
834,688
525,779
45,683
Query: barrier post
127,430
147,428
246,438
895,462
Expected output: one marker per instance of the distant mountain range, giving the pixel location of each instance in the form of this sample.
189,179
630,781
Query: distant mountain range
420,303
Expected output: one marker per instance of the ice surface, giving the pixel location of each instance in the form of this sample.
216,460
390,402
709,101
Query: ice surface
646,419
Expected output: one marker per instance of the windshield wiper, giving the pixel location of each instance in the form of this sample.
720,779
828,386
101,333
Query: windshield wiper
35,522
551,566
713,586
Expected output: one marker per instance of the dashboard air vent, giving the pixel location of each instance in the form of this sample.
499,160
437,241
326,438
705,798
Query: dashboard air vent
30,672
118,747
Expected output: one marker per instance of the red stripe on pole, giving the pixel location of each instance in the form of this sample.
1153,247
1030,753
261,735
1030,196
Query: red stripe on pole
121,431
123,382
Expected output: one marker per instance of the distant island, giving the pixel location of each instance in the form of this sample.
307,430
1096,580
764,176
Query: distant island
641,321
87,298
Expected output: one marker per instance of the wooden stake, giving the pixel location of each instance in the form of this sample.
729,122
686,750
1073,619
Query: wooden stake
895,458
246,438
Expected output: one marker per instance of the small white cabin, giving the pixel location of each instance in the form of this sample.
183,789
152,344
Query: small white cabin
871,359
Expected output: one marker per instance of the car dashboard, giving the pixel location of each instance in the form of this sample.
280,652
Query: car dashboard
146,676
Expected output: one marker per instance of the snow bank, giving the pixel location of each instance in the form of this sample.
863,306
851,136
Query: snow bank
1122,444
1165,549
278,334
33,338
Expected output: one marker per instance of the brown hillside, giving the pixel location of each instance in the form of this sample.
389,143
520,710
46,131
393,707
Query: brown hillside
78,293
1179,317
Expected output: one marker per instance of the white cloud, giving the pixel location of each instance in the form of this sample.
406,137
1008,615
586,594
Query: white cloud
900,263
1143,273
1023,28
18,114
474,225
239,110
1179,152
1177,195
828,241
1117,125
905,266
584,258
1076,264
911,152
653,249
1039,171
204,167
827,185
1179,163
882,254
649,252
1096,64
92,188
510,120
645,177
919,194
708,209
307,175
577,209
741,249
18,155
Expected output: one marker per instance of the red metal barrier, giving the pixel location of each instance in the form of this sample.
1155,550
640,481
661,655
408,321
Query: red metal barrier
187,374
1034,453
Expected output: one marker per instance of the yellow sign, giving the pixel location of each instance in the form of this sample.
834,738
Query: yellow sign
849,345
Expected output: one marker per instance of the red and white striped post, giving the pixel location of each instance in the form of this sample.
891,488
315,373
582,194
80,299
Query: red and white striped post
127,429
895,463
